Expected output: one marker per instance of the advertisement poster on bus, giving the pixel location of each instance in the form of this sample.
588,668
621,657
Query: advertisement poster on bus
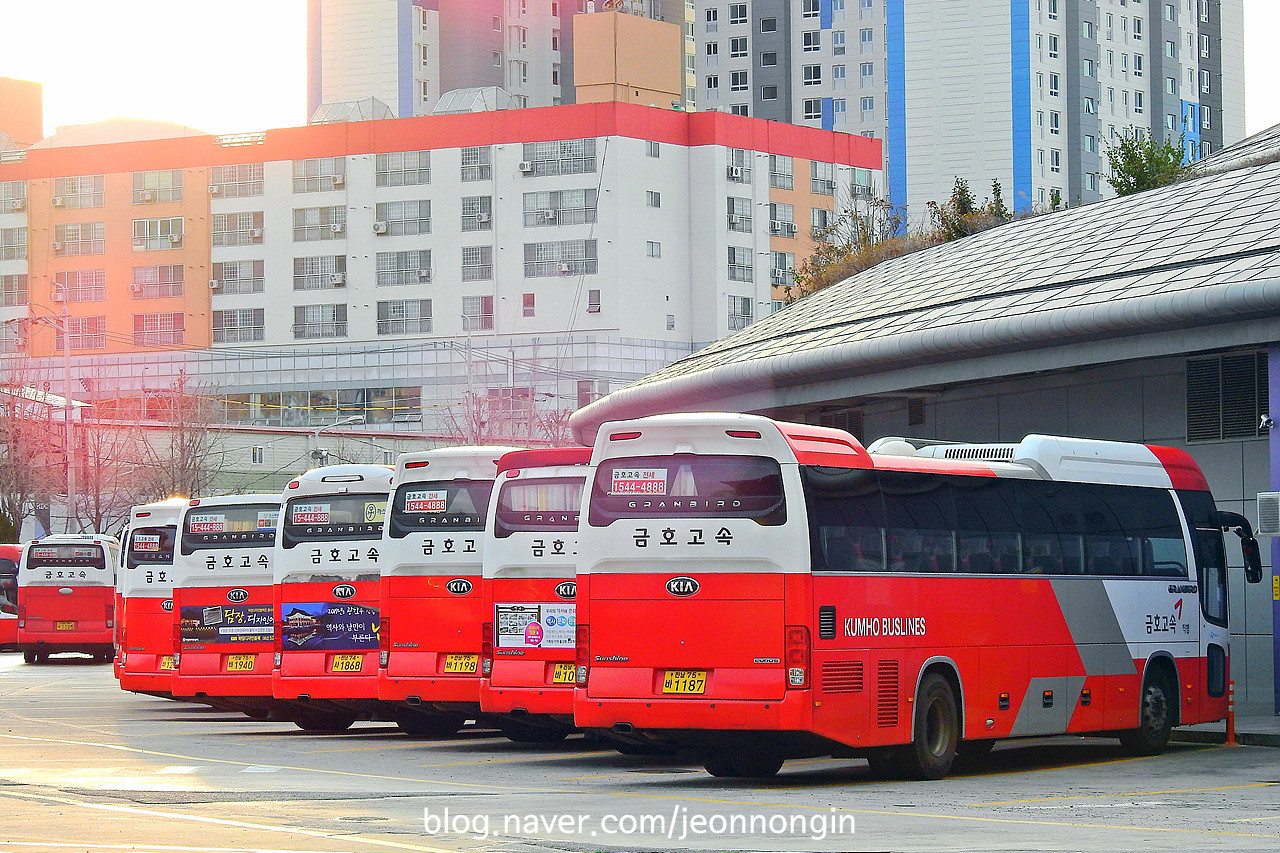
535,625
227,623
328,625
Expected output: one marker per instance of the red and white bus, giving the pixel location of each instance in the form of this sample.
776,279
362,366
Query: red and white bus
10,556
66,595
761,590
145,660
222,595
432,607
528,582
325,569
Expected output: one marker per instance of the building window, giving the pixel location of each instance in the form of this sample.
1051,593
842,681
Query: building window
13,196
713,84
1055,160
477,313
320,272
1090,106
768,60
82,285
837,42
319,321
713,53
739,109
768,93
738,46
404,317
477,213
738,81
739,165
781,172
13,244
159,186
1206,115
866,39
1170,86
238,277
1086,29
13,290
1087,67
1053,47
1055,122
158,330
737,13
1226,396
477,263
563,157
713,20
867,105
820,222
563,257
822,178
782,219
395,269
653,249
87,238
813,109
319,174
811,40
1053,10
653,199
1204,82
559,207
79,192
838,109
768,25
1168,12
236,229
1091,144
652,149
739,312
319,223
740,214
83,333
402,169
811,75
240,181
866,75
477,163
239,325
1137,103
157,282
671,322
784,264
810,9
838,76
403,218
1054,82
740,264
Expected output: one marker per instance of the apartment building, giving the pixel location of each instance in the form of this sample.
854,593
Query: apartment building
392,269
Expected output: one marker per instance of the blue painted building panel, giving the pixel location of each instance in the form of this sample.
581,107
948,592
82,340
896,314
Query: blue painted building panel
896,108
828,113
1020,101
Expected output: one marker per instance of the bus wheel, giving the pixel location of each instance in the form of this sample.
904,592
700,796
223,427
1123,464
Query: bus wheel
418,724
30,657
517,732
755,764
1155,719
322,721
933,749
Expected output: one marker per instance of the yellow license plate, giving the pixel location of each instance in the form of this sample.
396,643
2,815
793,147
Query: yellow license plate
64,626
686,681
166,662
244,663
461,663
347,663
564,673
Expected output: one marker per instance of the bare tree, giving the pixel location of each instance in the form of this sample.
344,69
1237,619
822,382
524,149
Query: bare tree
32,457
185,461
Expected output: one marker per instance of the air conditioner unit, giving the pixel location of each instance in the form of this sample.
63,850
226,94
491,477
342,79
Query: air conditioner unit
526,166
483,217
339,180
549,215
214,189
137,288
145,197
379,228
424,275
214,284
565,269
175,239
338,279
1268,514
337,228
17,203
57,247
56,201
735,173
139,242
255,233
734,219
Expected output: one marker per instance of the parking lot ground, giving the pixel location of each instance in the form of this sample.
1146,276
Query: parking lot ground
84,766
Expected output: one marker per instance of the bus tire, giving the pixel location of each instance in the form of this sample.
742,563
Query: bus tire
1155,718
418,724
324,721
518,732
758,764
937,730
30,657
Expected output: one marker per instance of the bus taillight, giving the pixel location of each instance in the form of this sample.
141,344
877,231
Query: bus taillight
797,656
22,614
384,641
278,641
583,654
486,649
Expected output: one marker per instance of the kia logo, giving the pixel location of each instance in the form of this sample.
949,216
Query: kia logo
167,605
344,590
458,586
682,586
568,589
239,595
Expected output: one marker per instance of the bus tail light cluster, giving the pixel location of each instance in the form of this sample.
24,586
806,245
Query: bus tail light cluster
486,649
797,656
111,614
278,642
22,614
583,654
384,642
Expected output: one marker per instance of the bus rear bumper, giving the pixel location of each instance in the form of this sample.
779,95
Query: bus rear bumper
424,690
227,684
347,687
530,700
792,713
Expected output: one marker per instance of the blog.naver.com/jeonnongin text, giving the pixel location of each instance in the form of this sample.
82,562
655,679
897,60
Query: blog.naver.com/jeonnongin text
677,825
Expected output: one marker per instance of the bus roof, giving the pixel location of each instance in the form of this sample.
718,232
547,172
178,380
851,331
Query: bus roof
544,457
464,462
236,500
157,513
333,479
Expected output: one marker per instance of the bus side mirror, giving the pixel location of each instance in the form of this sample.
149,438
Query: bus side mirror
1252,560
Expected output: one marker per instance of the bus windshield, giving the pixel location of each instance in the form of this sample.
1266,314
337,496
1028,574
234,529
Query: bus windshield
230,526
538,505
688,486
439,505
322,518
149,546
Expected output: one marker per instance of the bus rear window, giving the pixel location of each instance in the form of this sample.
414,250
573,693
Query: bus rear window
439,505
150,545
688,486
235,526
66,557
540,505
325,518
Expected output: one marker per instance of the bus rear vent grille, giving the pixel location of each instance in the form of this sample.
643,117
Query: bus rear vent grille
826,622
842,676
887,693
994,452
